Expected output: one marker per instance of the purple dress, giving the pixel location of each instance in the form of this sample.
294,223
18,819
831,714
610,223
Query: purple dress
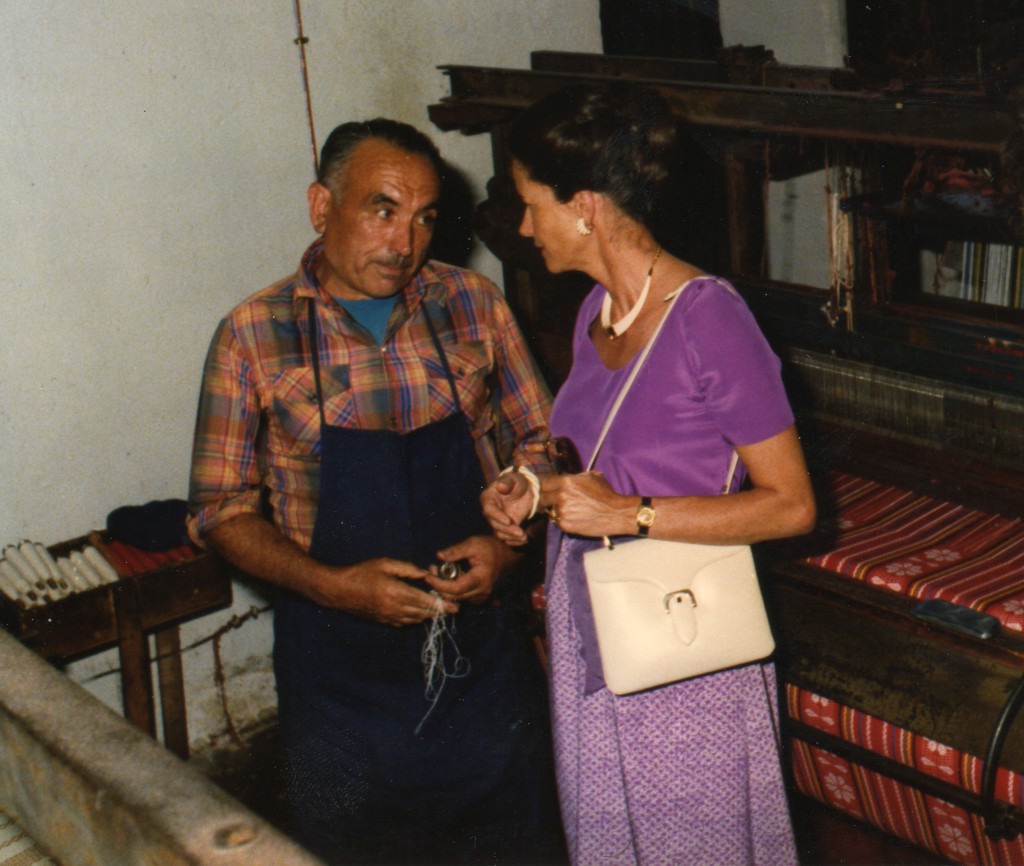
687,773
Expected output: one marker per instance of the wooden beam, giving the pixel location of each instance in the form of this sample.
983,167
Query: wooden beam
90,788
881,118
616,66
731,69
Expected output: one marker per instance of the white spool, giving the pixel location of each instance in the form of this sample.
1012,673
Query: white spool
25,590
33,558
15,558
8,589
49,561
106,571
74,578
28,550
85,568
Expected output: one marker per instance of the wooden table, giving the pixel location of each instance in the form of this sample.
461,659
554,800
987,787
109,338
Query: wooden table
124,614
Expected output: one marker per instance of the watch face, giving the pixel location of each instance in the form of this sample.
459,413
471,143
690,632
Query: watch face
645,516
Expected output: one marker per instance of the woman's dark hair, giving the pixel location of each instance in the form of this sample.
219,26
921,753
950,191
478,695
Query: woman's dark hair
619,139
342,141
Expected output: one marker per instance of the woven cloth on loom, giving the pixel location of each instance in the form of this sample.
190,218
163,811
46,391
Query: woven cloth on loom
924,547
929,822
18,849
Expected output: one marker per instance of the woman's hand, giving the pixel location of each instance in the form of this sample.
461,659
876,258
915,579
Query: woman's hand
778,502
586,504
506,503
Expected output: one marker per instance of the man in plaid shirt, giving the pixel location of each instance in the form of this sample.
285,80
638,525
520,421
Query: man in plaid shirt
350,416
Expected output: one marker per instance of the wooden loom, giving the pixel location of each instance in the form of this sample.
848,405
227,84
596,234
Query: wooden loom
891,382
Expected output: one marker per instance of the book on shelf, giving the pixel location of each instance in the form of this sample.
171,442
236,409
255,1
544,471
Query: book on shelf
986,273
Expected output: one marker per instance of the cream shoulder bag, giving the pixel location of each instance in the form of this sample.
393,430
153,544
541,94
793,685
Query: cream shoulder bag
669,610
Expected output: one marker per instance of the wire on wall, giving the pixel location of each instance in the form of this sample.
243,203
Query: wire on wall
301,40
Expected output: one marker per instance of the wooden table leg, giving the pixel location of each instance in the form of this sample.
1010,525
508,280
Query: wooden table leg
172,690
133,648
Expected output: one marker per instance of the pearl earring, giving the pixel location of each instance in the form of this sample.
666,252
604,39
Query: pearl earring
582,227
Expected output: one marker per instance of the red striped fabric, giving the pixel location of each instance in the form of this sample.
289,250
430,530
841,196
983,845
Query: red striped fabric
129,560
899,809
898,744
923,547
901,541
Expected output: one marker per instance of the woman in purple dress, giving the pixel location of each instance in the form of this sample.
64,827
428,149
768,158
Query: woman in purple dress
688,773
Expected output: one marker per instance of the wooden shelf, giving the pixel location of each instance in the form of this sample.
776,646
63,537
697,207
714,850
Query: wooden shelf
124,614
931,216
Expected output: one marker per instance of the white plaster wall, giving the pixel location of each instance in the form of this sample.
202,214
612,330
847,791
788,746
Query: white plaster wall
153,162
802,33
154,157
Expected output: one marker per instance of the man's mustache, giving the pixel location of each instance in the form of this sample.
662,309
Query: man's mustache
394,261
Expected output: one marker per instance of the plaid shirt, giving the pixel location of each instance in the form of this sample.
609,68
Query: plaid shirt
259,419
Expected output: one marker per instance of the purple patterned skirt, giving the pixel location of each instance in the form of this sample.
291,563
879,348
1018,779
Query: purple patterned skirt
684,774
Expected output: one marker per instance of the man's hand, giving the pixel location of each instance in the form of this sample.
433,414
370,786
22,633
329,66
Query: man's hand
488,559
373,590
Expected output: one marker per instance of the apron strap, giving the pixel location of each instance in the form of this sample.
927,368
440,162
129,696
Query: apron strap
443,357
314,339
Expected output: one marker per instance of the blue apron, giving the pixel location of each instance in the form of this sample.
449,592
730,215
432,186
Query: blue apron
368,779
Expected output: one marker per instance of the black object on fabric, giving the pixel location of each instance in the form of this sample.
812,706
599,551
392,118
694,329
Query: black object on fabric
157,525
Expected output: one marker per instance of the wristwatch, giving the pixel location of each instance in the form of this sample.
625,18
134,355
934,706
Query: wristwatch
644,516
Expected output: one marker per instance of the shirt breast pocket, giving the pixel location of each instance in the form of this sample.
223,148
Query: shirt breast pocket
472,363
295,411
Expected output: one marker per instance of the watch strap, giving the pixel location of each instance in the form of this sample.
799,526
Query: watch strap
643,528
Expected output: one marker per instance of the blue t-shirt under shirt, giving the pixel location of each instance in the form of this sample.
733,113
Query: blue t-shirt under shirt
372,314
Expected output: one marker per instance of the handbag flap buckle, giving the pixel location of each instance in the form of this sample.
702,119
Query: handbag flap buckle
683,617
676,597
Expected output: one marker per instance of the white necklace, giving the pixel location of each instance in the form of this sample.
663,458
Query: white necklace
620,327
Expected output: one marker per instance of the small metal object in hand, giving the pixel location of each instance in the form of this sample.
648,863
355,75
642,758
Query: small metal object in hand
450,570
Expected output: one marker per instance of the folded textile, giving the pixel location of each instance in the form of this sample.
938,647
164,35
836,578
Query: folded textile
157,525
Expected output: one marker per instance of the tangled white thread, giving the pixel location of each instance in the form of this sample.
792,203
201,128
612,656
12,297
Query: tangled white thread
435,674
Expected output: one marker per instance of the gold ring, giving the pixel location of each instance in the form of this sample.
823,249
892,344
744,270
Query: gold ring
553,512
